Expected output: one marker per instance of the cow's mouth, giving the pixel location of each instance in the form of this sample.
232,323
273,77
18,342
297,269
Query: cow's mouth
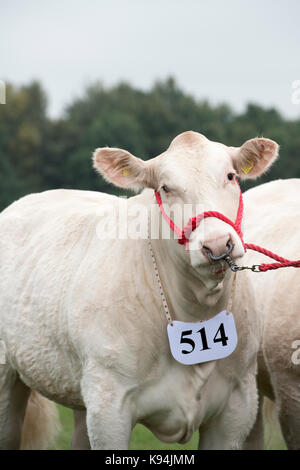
214,269
221,271
218,269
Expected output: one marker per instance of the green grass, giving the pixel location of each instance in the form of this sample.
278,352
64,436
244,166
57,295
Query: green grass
142,438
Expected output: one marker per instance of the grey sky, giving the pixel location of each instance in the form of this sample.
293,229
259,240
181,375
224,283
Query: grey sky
231,51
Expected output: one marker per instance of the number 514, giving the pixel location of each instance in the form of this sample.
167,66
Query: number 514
220,337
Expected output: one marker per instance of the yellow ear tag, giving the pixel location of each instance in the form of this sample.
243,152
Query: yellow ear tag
125,172
246,169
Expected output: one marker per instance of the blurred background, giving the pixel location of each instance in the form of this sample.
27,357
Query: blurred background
135,73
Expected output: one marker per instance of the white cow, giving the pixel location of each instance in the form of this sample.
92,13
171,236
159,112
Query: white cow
272,221
82,318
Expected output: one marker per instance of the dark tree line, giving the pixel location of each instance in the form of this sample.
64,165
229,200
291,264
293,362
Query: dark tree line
38,153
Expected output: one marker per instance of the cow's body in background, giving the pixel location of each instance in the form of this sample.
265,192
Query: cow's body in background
272,220
82,318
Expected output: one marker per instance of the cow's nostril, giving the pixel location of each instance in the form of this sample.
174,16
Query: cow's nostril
206,249
217,248
223,255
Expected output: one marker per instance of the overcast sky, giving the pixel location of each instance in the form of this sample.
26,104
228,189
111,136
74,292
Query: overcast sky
232,51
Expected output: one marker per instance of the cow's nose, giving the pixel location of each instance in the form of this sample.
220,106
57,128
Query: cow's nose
217,246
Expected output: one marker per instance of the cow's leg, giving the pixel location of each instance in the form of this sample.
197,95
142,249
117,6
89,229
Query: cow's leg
80,438
109,420
287,392
13,400
109,426
255,440
230,428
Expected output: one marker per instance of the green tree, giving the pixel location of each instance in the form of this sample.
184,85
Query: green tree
38,153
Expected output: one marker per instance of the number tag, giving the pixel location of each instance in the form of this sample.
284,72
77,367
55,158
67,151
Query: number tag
192,343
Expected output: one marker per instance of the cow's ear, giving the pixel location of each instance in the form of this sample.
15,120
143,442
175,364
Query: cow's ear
254,157
122,169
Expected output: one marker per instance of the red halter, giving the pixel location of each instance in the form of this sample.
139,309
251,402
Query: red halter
184,234
194,222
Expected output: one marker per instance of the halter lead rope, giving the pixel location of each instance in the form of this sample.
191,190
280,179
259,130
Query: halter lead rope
184,235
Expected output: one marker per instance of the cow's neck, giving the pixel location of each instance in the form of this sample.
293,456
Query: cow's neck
190,296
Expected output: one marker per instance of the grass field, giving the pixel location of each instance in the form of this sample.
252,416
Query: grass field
142,438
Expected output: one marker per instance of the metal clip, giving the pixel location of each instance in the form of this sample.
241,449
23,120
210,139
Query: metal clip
234,267
232,264
255,268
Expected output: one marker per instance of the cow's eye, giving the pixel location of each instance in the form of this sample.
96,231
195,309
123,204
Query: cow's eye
165,188
230,176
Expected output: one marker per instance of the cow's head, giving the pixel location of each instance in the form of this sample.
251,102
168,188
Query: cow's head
197,172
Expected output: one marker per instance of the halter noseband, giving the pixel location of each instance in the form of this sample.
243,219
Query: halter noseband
184,234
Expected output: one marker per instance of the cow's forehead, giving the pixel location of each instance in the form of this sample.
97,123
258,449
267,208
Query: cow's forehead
193,154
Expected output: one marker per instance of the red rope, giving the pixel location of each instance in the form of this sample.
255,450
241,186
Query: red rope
282,262
193,223
170,222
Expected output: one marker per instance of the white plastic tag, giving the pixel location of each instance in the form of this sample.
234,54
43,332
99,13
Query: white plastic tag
193,343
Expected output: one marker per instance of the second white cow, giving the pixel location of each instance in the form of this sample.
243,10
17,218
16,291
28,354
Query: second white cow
274,224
